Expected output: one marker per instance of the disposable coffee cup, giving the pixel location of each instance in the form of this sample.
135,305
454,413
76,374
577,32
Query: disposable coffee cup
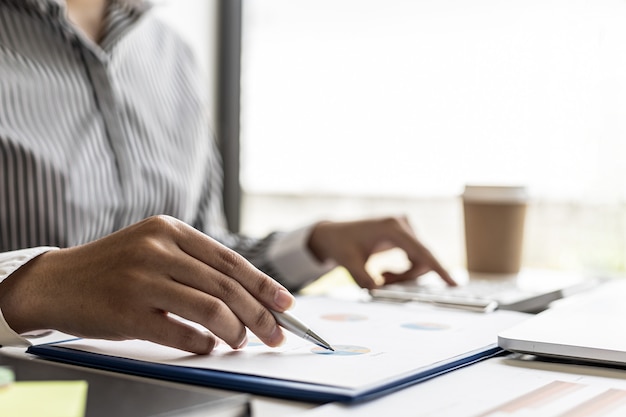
494,218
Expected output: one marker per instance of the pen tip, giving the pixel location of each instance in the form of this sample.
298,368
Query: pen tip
327,345
319,341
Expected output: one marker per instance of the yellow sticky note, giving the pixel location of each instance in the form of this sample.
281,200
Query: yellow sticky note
44,399
7,376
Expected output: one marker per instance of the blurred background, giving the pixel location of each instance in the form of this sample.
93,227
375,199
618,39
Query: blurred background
358,108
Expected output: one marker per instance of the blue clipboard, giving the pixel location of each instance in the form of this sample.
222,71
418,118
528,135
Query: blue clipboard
253,384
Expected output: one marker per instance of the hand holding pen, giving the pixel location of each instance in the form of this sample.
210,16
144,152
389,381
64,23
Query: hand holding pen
131,278
289,322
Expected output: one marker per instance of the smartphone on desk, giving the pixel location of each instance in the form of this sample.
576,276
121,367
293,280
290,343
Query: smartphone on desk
529,291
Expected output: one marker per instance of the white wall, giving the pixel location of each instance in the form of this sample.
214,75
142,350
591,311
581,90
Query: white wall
417,97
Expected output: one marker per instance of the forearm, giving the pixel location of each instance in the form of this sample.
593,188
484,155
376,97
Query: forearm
11,264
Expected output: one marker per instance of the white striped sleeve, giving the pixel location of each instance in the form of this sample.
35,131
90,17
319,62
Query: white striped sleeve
293,261
9,263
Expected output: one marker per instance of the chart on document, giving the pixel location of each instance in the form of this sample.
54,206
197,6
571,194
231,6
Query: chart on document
564,399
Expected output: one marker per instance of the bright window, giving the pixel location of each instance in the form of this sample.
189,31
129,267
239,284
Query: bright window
397,97
354,107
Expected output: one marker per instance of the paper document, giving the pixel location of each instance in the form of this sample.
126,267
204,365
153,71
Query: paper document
376,344
501,387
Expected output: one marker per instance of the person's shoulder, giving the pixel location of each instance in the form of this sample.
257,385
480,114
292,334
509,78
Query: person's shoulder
163,34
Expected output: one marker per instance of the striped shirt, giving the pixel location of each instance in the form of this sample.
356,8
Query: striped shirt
95,137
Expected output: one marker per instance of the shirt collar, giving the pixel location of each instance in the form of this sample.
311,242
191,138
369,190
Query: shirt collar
47,5
122,16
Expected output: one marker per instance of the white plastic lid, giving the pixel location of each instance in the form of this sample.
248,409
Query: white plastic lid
496,193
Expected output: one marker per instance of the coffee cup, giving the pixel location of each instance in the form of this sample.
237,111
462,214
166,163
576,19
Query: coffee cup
494,217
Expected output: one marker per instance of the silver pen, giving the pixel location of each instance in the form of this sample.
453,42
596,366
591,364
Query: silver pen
295,326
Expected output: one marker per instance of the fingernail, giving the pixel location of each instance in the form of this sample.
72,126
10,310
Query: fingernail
277,338
284,299
379,280
243,343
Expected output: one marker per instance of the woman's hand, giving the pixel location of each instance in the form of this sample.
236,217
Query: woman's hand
124,285
350,244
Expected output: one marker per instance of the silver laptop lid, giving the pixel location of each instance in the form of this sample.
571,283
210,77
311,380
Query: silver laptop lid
586,327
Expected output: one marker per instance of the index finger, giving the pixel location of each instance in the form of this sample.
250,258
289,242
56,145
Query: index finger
268,291
424,256
419,255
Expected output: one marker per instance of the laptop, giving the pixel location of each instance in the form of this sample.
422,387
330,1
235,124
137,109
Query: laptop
588,327
529,291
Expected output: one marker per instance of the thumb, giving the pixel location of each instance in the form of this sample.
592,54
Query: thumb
359,273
